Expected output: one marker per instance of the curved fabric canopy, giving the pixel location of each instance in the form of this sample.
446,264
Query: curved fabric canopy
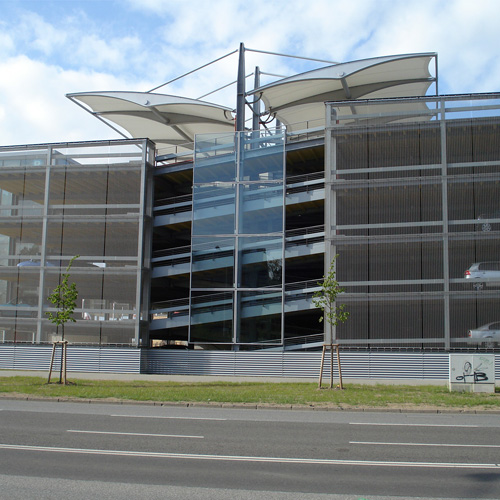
165,119
298,101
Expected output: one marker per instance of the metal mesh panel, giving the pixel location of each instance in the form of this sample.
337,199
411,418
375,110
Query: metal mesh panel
414,203
58,201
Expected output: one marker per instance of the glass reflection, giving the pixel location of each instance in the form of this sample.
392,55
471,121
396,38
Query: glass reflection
219,210
261,262
215,158
262,158
259,314
261,208
211,317
212,263
214,209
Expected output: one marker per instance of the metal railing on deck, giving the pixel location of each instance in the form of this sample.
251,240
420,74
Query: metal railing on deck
303,340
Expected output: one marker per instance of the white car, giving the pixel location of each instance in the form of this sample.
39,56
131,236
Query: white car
483,274
489,333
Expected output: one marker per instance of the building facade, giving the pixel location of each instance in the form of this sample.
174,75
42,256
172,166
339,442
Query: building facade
62,200
398,189
220,244
412,201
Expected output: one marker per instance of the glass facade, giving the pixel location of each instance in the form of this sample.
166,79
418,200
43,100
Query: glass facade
86,199
237,252
405,192
413,203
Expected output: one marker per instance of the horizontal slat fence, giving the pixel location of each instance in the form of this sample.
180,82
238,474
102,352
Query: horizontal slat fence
364,365
301,364
80,359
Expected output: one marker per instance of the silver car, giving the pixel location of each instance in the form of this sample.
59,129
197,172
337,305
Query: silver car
485,222
489,334
483,274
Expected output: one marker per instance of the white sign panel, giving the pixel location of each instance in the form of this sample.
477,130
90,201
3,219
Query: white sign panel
472,370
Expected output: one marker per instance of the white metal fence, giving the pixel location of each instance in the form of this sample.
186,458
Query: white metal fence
362,365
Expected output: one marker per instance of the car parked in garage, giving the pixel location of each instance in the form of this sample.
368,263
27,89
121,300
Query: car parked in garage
488,334
486,224
483,274
19,309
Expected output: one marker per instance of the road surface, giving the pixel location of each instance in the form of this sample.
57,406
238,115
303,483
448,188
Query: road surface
77,450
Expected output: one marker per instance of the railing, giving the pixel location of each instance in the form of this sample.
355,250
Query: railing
432,108
171,156
182,305
303,285
166,205
304,340
175,154
172,252
311,129
315,231
89,153
460,105
163,202
304,236
304,231
169,309
170,304
296,179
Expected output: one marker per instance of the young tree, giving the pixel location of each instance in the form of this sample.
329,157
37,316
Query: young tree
64,298
325,299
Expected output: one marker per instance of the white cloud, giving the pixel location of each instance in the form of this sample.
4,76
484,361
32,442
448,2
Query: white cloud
464,34
87,47
7,45
41,35
74,41
115,54
34,108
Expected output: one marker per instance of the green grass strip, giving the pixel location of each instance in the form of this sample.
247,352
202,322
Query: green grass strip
354,395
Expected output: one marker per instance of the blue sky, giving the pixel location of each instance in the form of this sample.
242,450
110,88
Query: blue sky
49,48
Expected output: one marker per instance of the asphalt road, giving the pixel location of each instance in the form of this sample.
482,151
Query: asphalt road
76,451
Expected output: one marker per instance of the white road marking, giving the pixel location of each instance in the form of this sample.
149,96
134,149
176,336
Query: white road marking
429,444
236,458
412,425
174,418
136,434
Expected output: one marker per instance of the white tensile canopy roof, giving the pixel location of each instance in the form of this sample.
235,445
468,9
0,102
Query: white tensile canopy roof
165,119
298,101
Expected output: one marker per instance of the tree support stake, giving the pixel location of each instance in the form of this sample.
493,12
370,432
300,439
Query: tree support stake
64,350
331,347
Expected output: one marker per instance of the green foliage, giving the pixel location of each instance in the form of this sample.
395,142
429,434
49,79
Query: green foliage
325,299
64,298
256,393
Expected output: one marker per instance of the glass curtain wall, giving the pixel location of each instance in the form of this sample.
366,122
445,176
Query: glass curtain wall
413,205
86,199
238,239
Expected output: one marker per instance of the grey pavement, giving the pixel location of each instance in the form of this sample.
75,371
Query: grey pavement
22,487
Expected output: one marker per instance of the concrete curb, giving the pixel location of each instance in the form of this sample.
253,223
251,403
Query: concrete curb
251,406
